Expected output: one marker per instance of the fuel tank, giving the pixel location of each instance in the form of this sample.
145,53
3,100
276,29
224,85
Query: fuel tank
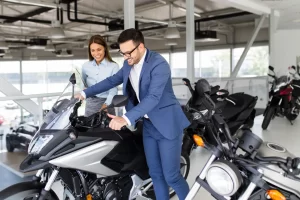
269,149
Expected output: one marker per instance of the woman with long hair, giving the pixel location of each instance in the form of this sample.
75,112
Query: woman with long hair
99,67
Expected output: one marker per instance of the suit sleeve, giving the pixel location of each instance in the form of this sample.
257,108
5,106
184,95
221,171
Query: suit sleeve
159,78
108,83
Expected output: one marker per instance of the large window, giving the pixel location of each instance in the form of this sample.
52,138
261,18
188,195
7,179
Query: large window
48,76
214,63
179,64
256,62
9,110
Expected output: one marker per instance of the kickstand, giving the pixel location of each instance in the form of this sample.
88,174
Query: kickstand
291,122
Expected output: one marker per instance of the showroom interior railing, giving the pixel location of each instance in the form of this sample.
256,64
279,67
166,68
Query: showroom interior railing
256,86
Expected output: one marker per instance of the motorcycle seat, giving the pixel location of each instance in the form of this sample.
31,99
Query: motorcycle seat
242,101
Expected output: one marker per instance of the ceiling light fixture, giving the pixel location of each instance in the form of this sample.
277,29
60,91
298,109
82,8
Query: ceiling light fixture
171,42
172,31
49,46
56,32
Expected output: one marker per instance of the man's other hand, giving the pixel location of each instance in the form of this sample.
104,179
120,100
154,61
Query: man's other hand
117,122
78,96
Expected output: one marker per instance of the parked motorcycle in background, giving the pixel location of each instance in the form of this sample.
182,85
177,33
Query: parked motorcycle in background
238,110
246,168
283,99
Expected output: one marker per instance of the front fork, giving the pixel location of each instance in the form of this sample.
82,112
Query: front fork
38,177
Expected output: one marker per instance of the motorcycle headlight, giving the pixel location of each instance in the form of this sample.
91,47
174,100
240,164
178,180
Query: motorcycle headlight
39,143
224,178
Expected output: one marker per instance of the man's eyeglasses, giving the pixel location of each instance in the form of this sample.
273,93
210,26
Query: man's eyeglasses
128,54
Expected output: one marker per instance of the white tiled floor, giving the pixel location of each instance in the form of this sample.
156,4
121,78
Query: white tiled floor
280,131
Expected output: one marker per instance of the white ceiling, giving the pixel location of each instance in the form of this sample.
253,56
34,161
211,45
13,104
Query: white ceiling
289,12
155,11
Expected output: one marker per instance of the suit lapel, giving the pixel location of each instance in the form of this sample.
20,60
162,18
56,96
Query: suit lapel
126,78
144,68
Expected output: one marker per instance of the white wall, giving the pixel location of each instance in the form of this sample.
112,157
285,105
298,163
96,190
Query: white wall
285,49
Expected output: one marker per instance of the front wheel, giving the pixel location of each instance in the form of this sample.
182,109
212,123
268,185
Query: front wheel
25,191
9,145
184,169
268,116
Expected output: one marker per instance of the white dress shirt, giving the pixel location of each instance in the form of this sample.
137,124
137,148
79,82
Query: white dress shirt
134,78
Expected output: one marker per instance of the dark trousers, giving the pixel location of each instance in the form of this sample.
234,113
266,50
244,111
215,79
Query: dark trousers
163,159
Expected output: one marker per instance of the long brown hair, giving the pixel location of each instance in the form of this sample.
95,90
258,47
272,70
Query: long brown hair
98,39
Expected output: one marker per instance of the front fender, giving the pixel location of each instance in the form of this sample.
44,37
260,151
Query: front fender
17,190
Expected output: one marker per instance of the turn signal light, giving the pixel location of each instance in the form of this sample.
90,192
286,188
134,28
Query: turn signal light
89,197
276,195
198,140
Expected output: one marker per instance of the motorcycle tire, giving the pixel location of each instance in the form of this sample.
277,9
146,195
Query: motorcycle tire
184,160
9,146
25,190
267,119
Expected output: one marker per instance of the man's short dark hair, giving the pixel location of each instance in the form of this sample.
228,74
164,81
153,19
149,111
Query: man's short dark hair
131,34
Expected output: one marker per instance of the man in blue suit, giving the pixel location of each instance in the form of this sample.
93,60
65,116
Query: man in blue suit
146,78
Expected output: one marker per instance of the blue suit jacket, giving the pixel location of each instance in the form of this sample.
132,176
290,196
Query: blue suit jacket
155,93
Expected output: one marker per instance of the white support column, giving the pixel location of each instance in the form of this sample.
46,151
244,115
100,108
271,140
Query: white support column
129,14
9,90
249,44
190,40
273,23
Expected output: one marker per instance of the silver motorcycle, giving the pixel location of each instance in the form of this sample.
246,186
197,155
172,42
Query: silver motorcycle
90,160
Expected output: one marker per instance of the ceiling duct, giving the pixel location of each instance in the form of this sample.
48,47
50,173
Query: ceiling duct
118,24
115,46
80,20
3,45
206,36
37,43
64,53
2,52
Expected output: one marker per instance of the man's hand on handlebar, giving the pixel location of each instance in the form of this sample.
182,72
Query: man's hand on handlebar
79,96
116,123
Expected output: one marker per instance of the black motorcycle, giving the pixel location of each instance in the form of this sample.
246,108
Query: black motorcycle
283,99
20,137
247,168
91,160
237,110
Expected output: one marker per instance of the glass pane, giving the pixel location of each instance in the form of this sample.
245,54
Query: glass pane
166,56
214,63
179,64
9,110
256,62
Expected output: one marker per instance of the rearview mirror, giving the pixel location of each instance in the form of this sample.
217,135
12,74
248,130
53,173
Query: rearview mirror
73,79
119,101
271,68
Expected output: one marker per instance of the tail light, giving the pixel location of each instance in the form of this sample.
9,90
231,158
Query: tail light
286,91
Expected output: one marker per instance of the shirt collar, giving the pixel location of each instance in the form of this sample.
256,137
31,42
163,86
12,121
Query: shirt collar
141,62
104,62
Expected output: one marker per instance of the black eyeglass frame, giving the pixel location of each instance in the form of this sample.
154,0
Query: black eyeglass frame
128,54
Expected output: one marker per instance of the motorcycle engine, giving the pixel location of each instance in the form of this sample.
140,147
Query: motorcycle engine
274,175
111,192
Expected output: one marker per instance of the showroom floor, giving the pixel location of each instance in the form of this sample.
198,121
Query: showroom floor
280,131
